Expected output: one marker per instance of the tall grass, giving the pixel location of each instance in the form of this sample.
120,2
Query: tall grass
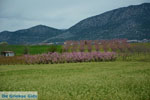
80,81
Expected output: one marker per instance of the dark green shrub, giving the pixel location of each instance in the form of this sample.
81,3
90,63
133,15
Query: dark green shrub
55,48
26,50
52,48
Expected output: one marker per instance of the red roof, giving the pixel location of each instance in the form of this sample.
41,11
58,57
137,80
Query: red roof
7,52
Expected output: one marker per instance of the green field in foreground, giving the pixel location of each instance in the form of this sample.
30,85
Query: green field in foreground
80,81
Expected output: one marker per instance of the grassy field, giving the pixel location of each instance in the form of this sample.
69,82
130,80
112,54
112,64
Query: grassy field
35,49
80,81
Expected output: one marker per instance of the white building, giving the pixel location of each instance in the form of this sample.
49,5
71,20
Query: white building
7,53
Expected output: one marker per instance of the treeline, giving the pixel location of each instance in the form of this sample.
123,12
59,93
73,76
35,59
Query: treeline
115,45
96,45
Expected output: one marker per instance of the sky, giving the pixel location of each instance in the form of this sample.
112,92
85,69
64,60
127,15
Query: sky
61,14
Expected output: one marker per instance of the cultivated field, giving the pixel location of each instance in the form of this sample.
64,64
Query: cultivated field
80,81
32,49
79,70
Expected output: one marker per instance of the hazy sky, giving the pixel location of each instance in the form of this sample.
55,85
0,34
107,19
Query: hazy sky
61,14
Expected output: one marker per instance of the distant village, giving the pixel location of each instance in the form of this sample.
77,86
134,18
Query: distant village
61,43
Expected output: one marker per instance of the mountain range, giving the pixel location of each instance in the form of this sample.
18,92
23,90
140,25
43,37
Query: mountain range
132,22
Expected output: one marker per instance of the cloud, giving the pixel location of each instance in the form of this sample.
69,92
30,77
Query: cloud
19,14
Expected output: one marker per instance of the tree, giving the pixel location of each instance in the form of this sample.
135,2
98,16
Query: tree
82,46
89,45
97,46
74,46
52,48
67,46
26,50
3,46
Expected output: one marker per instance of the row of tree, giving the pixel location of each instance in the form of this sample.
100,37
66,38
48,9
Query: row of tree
96,45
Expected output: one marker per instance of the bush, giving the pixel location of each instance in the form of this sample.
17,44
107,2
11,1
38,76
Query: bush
26,50
53,48
69,57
